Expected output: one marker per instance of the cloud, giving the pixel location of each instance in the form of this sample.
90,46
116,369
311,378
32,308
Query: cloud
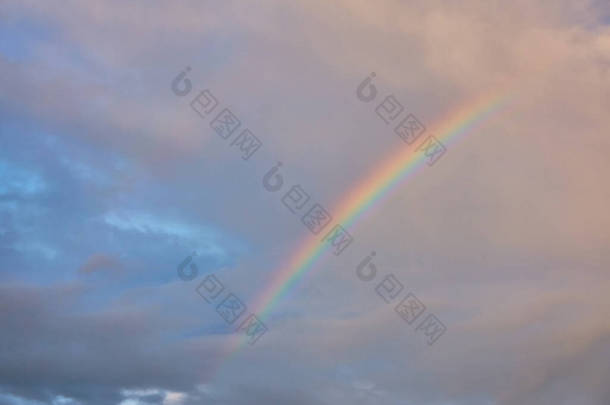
103,168
99,261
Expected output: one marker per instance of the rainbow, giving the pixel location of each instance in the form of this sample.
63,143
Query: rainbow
392,172
387,176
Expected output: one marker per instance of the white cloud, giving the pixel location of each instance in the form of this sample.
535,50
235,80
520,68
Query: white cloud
205,240
174,398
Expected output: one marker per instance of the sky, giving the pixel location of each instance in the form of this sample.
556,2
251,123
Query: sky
123,209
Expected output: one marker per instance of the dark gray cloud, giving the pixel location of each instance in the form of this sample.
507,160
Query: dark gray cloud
51,348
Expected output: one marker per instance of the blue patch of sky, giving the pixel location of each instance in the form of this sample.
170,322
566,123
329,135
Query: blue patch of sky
20,37
59,214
